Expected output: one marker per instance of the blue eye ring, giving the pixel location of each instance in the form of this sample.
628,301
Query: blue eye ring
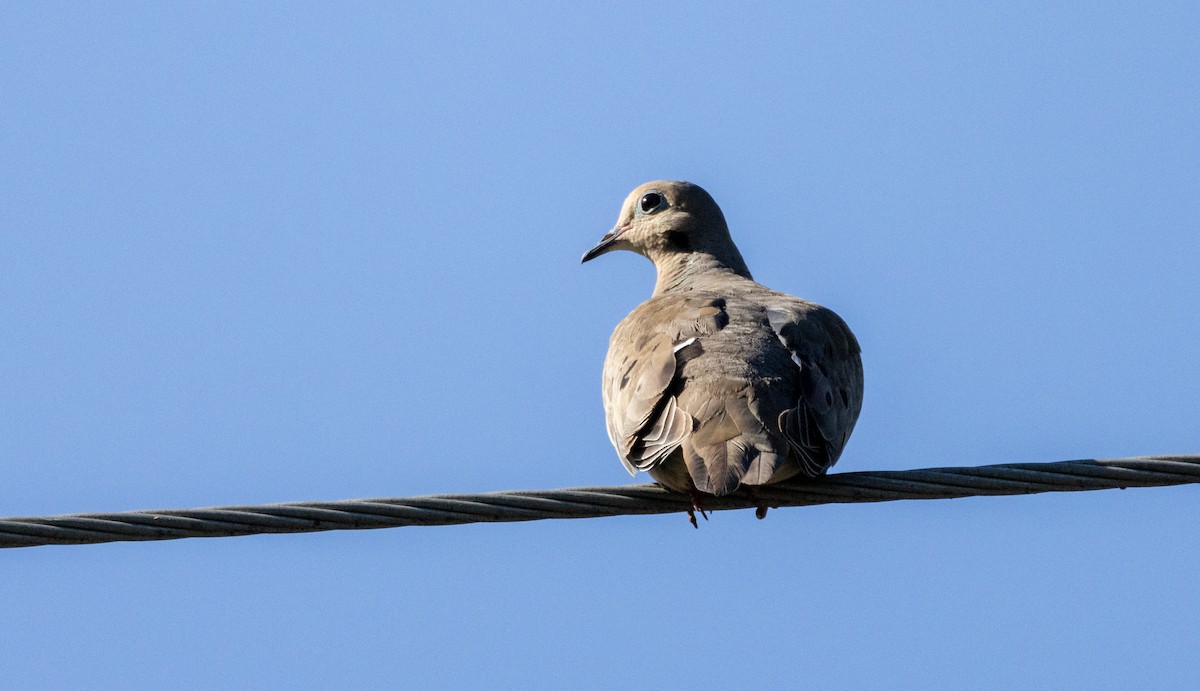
652,201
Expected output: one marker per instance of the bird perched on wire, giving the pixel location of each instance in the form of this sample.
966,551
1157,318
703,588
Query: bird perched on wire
717,382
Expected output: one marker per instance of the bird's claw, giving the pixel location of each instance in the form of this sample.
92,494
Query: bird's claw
760,510
694,508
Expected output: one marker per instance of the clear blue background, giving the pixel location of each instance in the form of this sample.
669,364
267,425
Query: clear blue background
255,252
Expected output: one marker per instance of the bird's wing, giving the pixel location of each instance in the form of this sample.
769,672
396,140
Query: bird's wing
641,375
819,422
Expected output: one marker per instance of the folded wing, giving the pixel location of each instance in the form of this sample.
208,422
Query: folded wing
820,420
641,376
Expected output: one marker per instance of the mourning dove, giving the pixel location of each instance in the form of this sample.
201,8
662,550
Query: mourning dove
717,381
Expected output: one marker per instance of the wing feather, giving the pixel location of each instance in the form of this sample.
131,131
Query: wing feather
820,420
641,376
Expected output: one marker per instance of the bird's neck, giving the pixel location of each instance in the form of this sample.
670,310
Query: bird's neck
680,270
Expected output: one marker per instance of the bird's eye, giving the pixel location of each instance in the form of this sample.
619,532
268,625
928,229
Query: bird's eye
651,202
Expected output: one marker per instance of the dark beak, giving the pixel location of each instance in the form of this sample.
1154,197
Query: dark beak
605,245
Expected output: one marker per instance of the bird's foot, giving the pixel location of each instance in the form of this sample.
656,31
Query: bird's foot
760,511
696,506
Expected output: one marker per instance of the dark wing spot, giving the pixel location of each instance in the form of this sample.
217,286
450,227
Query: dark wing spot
628,371
845,397
690,352
722,318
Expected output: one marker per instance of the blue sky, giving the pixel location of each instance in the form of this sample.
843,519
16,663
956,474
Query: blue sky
257,252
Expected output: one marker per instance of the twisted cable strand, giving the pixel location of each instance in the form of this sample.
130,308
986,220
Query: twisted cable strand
594,502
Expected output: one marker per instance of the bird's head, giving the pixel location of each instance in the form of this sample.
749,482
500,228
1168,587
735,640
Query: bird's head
668,217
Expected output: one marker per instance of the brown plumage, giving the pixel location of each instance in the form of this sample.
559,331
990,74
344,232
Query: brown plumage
717,381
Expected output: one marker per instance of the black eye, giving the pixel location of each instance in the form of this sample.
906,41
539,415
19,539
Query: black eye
651,202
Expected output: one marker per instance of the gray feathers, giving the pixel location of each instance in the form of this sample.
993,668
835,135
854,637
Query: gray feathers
717,381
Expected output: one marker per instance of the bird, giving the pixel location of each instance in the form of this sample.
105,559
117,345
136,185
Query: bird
717,382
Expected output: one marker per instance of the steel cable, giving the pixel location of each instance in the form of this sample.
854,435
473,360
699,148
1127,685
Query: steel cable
594,502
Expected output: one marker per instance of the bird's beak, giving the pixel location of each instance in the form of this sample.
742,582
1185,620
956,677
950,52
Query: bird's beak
607,243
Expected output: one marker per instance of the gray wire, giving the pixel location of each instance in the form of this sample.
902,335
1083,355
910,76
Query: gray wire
594,502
